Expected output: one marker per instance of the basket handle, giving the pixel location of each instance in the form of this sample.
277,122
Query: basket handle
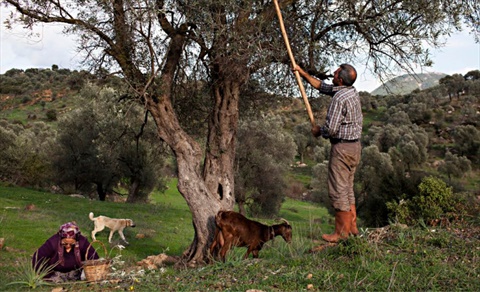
101,243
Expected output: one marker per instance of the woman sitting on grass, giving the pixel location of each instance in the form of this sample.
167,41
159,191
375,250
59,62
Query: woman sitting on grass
65,253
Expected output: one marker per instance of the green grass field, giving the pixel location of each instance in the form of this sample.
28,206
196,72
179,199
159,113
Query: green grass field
394,259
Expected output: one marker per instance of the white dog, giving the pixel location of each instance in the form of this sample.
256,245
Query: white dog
113,224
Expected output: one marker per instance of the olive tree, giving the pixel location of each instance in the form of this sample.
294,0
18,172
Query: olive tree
410,142
467,141
304,139
454,84
265,152
102,143
157,44
25,152
377,180
319,186
455,165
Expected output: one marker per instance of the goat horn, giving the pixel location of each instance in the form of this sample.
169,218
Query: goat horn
284,220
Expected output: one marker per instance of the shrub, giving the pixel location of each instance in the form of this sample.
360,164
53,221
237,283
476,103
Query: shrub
435,201
51,115
26,99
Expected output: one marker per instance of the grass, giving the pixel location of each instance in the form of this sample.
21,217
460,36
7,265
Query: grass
388,259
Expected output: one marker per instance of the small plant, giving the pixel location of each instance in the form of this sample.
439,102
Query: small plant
31,277
355,246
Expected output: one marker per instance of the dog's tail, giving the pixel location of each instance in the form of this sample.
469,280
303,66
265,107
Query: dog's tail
91,216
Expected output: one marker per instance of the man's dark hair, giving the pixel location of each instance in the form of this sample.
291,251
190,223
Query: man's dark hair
348,74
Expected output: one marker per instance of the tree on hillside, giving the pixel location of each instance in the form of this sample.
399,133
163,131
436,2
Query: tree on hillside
398,118
98,147
409,141
419,113
25,152
467,142
157,44
454,165
304,139
472,80
472,75
319,186
454,84
377,176
79,161
265,152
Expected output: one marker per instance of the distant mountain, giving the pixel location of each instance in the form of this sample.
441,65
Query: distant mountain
407,83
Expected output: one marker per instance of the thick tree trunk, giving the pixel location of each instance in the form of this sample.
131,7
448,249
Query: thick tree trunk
135,194
133,191
209,190
101,192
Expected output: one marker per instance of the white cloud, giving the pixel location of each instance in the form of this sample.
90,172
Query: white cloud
46,46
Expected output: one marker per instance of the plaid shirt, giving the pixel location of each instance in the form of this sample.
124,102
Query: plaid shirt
344,117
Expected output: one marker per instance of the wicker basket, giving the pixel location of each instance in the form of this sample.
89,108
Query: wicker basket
96,270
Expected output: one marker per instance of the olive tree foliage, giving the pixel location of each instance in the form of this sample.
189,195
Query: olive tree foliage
25,152
454,84
103,143
322,153
319,186
410,141
455,166
398,118
368,102
419,112
386,171
376,177
158,44
265,153
304,139
472,75
467,142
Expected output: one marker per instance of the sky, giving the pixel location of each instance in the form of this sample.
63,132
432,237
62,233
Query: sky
460,55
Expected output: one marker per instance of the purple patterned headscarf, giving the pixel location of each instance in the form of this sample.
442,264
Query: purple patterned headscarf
69,230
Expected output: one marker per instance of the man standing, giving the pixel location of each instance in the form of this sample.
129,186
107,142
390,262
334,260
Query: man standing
343,127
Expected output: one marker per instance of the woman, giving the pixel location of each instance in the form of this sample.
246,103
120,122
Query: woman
66,251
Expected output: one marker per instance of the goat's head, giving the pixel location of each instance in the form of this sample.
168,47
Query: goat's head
285,230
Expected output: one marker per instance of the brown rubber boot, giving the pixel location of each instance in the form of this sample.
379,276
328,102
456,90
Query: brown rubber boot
353,228
343,223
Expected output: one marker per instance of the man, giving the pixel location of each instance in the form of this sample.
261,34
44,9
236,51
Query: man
343,127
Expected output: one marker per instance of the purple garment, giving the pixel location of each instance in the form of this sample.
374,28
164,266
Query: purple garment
51,249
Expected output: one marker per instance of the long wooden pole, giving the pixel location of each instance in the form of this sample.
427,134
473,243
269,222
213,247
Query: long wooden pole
292,59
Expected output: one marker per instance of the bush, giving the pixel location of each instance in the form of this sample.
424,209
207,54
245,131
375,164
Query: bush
26,99
434,202
51,115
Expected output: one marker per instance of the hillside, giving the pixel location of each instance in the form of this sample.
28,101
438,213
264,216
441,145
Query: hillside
414,133
419,126
405,84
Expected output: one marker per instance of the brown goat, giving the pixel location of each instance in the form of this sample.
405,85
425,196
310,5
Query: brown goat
234,229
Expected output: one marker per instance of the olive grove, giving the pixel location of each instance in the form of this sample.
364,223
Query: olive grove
156,46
